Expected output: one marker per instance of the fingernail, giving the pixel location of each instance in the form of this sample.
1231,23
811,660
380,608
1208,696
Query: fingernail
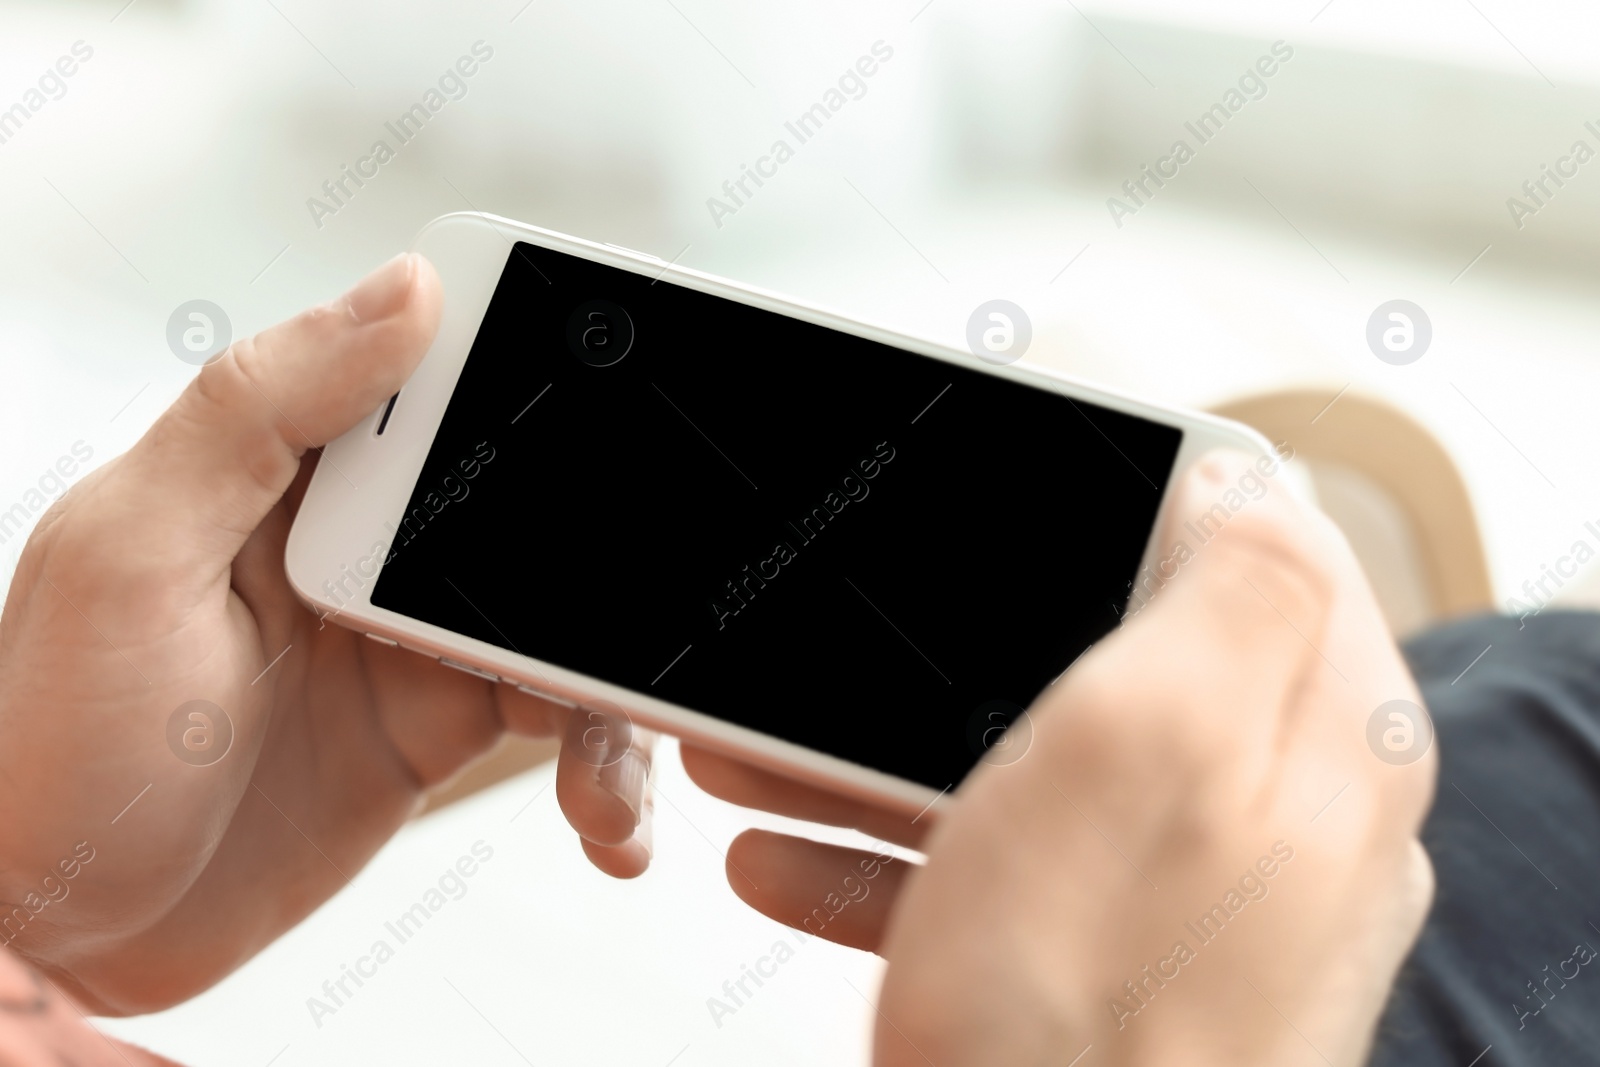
383,292
624,779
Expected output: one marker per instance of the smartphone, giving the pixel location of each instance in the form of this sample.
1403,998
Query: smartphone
844,554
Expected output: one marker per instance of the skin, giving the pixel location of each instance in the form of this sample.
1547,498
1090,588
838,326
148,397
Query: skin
1226,717
158,580
41,1028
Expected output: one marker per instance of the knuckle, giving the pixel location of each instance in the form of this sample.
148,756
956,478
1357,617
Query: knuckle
1086,716
226,383
1186,745
1408,793
315,327
1117,719
1286,558
228,394
1419,884
1207,822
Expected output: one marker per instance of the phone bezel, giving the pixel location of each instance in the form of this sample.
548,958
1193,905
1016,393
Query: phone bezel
363,480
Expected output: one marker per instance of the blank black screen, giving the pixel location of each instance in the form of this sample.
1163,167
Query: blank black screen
830,540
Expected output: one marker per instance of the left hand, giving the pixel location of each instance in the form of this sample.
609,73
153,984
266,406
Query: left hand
158,580
41,1028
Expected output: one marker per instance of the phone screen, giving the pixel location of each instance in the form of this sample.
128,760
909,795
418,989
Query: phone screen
862,550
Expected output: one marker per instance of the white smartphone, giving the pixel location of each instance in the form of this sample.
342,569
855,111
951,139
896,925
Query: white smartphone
828,549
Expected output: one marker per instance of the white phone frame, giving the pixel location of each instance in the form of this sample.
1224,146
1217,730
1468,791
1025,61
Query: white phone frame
365,481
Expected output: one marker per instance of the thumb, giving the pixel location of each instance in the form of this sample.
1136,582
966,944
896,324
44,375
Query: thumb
216,462
1235,612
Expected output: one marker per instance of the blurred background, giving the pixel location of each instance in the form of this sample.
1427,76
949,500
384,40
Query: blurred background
1377,162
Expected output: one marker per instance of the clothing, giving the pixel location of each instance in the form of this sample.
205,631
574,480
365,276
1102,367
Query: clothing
1510,954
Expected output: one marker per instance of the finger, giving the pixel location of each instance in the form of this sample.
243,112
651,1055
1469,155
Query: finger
843,895
1258,577
602,775
529,715
41,1027
1237,607
216,462
631,858
752,787
257,574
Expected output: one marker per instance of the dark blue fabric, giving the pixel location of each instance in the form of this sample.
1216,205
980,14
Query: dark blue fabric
1515,839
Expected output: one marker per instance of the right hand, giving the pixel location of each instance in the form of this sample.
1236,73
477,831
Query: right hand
1227,722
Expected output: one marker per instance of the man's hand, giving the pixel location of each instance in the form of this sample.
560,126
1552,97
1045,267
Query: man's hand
158,580
41,1028
1200,860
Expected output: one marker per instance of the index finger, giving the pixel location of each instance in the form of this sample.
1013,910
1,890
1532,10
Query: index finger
753,787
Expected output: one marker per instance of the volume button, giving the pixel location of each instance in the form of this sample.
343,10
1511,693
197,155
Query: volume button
467,668
544,695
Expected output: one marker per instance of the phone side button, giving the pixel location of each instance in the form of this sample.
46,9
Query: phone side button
391,642
545,695
467,668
